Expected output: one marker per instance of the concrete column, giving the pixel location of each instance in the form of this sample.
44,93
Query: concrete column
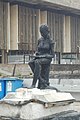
43,17
8,27
67,35
14,27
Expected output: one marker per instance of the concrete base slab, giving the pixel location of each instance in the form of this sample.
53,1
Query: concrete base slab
31,111
34,104
8,110
74,90
35,111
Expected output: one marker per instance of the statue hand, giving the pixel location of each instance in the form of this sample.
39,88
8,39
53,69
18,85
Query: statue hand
36,53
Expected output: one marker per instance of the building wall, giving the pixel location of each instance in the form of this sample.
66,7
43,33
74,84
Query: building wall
75,4
64,29
19,28
75,33
57,4
55,23
28,28
29,21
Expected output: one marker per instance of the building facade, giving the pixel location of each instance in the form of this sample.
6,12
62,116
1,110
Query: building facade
20,21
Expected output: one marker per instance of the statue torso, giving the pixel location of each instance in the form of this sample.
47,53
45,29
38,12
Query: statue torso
44,46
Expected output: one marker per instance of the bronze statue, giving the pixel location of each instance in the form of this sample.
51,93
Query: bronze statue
40,65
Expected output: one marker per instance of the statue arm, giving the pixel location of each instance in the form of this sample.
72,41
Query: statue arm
37,53
52,48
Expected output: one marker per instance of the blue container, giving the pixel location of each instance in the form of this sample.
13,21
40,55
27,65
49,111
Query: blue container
2,88
11,84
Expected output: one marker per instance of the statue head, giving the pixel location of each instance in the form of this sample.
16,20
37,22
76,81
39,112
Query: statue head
44,30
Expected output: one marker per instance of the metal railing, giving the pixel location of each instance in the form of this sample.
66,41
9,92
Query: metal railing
64,58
